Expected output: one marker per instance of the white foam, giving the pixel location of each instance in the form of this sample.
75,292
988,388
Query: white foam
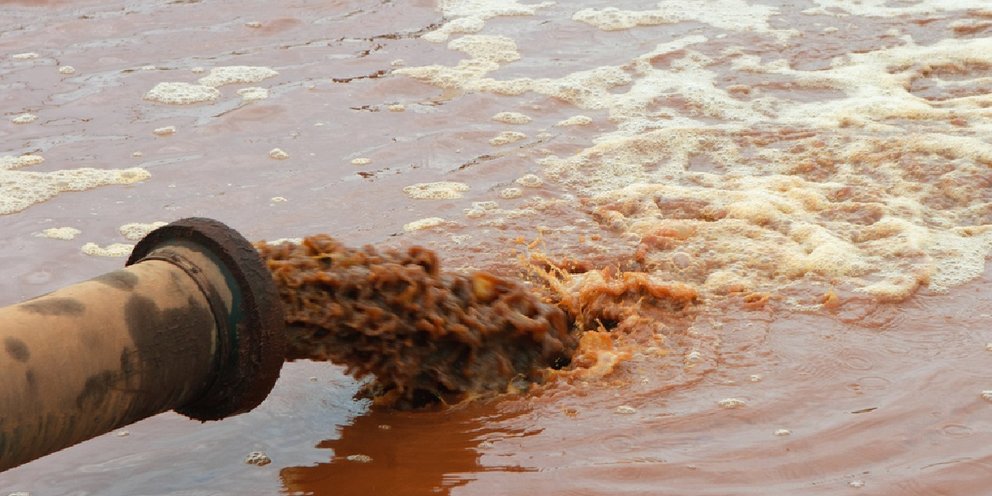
469,16
575,120
839,199
511,193
67,70
426,223
253,94
135,231
164,131
278,154
462,25
507,137
512,118
25,118
9,162
530,181
442,190
181,93
24,56
731,15
111,250
480,209
21,189
236,74
65,233
887,8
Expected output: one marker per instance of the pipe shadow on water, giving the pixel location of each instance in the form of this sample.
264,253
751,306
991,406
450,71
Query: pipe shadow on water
403,453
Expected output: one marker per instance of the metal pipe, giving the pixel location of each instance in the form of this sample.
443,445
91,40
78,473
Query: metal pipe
192,324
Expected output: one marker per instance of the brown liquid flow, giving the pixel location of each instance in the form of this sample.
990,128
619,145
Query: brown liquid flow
426,336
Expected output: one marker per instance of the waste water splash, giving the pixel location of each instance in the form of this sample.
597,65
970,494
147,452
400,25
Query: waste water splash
772,215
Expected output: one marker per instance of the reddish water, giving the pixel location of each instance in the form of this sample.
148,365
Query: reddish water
766,168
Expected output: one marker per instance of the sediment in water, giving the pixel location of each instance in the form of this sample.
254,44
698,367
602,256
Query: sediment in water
426,336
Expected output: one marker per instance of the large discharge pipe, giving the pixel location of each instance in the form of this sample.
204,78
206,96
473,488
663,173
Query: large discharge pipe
192,324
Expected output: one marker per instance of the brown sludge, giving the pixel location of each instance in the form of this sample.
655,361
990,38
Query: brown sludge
426,336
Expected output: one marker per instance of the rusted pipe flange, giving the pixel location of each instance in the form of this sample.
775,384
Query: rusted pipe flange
252,339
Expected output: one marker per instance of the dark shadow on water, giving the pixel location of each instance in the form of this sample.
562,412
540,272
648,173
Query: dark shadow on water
403,453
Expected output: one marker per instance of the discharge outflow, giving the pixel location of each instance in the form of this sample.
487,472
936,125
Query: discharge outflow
428,337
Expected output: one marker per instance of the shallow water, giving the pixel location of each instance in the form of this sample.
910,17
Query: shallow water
817,170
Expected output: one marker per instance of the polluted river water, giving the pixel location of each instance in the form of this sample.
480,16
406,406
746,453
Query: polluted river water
773,217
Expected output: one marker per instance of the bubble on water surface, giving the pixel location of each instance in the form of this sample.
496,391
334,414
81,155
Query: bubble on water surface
441,190
510,193
732,15
65,233
530,181
742,204
111,250
220,76
253,94
887,8
20,189
421,224
461,25
469,16
164,131
9,162
25,118
575,120
181,93
258,458
511,118
135,231
507,137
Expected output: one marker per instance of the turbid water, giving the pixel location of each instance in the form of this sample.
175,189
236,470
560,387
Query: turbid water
775,215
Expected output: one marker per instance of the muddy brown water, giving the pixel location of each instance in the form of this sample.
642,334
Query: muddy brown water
817,170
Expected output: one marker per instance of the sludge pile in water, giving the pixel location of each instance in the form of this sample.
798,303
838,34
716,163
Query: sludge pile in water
426,336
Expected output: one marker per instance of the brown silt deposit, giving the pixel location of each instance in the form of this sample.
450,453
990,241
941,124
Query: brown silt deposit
425,335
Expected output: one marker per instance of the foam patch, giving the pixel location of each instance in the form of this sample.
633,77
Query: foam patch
181,93
235,74
761,173
135,231
20,189
115,250
64,233
443,190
